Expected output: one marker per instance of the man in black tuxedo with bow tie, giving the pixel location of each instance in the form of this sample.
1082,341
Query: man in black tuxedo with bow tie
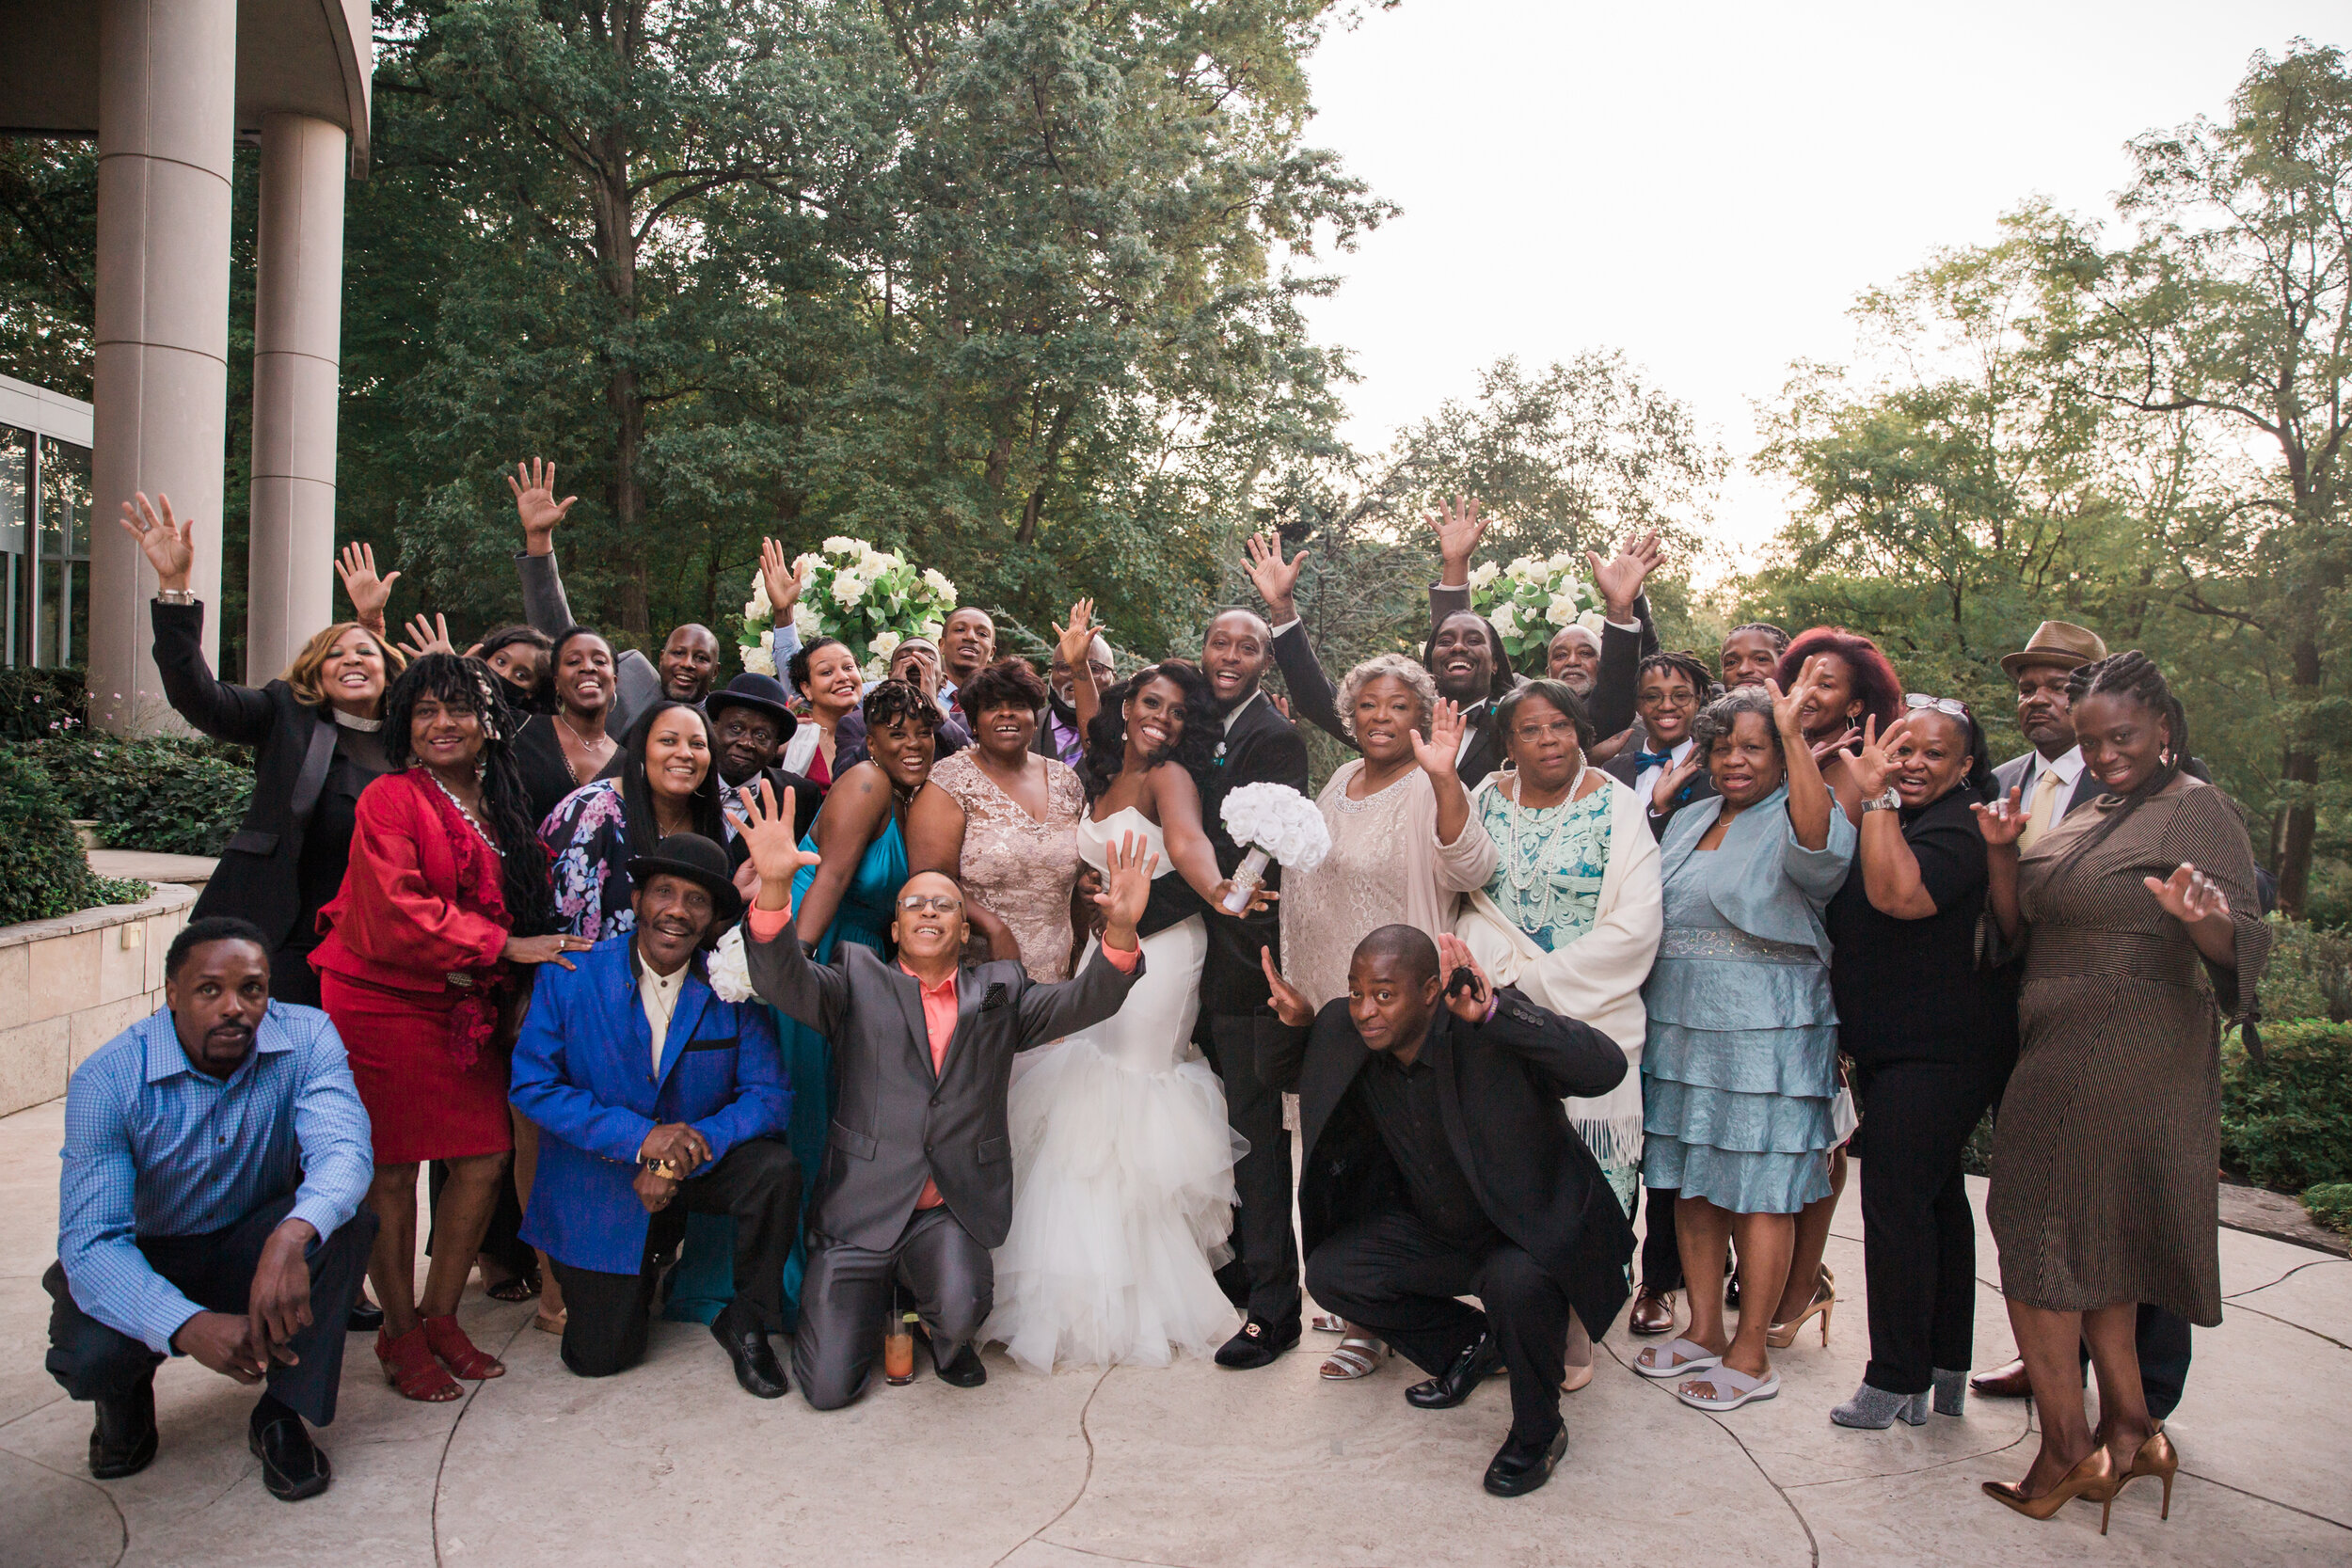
1261,746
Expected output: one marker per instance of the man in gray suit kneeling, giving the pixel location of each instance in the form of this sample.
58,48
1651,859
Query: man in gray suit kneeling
916,1184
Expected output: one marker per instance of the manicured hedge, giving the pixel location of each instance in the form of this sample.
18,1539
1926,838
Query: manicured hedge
2287,1123
44,873
172,797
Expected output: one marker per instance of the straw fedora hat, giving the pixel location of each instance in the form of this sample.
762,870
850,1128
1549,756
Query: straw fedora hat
2059,642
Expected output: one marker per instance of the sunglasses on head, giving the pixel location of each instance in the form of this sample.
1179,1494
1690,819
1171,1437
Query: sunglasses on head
1953,705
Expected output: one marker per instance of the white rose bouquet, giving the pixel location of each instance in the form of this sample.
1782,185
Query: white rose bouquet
1279,825
871,599
730,971
1531,598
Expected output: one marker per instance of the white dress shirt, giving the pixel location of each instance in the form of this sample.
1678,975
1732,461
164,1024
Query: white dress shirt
2069,769
1646,780
659,994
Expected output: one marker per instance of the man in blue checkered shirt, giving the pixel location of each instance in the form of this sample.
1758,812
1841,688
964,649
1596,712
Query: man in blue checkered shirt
216,1164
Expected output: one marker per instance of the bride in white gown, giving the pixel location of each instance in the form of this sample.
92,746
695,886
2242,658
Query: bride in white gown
1123,1161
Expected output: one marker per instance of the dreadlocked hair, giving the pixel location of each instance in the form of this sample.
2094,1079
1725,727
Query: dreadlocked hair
1686,664
1107,736
2133,677
505,807
1773,634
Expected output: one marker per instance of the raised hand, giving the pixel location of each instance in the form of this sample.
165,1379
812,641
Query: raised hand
1459,527
1276,701
1076,637
1277,583
1670,782
428,637
1471,1003
2002,821
533,483
170,544
1127,887
1289,1005
2188,895
1620,578
369,593
782,579
1876,760
1787,703
1436,754
773,850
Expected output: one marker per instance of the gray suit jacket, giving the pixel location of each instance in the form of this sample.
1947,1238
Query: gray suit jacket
636,684
2018,773
895,1120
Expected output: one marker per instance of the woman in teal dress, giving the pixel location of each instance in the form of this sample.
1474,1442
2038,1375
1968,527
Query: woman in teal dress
1740,1067
848,897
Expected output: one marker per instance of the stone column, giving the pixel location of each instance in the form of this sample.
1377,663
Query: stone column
167,123
297,337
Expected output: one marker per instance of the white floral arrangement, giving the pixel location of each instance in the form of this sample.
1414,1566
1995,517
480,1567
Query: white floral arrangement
1279,825
730,971
1531,599
871,599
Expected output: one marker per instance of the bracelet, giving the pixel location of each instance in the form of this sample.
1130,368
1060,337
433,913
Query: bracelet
175,595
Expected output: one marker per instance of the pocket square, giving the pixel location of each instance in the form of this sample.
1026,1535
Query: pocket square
994,997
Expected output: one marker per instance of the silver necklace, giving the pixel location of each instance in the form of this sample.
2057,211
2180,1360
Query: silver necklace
471,821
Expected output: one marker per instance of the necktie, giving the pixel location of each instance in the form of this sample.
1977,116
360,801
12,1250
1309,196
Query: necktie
2039,810
1645,761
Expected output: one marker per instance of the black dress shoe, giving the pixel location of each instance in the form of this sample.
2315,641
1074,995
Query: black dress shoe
965,1371
123,1443
746,1344
1452,1386
292,1467
1518,1467
366,1317
1257,1344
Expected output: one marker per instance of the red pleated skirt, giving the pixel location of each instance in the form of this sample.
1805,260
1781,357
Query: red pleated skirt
422,1104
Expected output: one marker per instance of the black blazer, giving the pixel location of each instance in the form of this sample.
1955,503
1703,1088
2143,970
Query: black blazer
1263,747
294,746
1500,1087
1610,705
1701,788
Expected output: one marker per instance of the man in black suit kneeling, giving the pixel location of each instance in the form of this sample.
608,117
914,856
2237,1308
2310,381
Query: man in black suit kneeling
1440,1164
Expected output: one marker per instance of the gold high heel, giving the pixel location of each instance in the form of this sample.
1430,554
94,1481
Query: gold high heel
2093,1478
2156,1457
1781,1336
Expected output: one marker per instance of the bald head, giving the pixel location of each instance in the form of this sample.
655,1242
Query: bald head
1407,948
931,935
1392,990
689,663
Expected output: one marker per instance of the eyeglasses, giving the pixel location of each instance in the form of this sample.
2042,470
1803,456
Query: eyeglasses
916,902
1529,734
1953,705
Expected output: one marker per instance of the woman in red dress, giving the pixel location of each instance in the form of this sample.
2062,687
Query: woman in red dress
446,890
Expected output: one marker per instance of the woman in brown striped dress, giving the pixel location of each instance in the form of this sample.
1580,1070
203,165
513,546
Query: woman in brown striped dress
2141,931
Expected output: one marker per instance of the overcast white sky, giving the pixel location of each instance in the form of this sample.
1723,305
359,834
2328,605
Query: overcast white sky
1708,185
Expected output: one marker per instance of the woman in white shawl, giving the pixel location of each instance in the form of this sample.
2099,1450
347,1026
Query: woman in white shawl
1570,912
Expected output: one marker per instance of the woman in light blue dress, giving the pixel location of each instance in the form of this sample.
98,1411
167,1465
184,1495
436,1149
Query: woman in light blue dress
860,832
1741,1066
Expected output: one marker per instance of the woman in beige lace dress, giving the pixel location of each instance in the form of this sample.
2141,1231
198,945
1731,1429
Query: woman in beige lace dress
1004,823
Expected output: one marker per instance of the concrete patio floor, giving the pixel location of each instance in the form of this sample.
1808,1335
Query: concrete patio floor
1189,1465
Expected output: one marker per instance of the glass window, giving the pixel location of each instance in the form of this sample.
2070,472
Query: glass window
16,478
64,522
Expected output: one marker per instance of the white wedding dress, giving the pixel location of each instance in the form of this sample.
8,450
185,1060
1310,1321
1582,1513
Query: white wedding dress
1122,1171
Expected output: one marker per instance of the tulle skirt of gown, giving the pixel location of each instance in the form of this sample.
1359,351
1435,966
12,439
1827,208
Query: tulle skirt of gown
1123,1184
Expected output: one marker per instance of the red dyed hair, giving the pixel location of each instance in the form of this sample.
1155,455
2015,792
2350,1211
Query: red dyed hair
1875,682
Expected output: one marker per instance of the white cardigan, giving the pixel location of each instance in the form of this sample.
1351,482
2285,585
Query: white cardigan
1597,978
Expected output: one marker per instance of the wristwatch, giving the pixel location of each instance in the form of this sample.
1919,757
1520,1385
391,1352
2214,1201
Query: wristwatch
1887,799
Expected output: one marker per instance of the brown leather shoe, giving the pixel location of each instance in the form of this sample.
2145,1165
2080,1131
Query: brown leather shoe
1653,1313
2003,1383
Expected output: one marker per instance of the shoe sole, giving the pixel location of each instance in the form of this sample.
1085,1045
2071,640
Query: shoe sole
1719,1408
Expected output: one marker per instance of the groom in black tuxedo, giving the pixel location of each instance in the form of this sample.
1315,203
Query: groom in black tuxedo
1260,747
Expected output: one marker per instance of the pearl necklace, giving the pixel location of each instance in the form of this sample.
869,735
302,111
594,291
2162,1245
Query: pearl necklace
1519,868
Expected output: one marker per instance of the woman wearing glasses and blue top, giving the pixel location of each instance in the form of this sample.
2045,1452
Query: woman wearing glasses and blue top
1740,1076
1932,1038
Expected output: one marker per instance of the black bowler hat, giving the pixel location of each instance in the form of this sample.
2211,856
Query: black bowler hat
696,858
763,692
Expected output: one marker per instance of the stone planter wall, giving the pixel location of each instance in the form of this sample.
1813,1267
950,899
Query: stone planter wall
70,985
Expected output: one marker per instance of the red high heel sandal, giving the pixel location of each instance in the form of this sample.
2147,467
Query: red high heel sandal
459,1353
409,1366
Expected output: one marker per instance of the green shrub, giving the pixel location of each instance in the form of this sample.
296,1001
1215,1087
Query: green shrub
2310,973
2287,1123
44,873
38,705
2330,1204
168,797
